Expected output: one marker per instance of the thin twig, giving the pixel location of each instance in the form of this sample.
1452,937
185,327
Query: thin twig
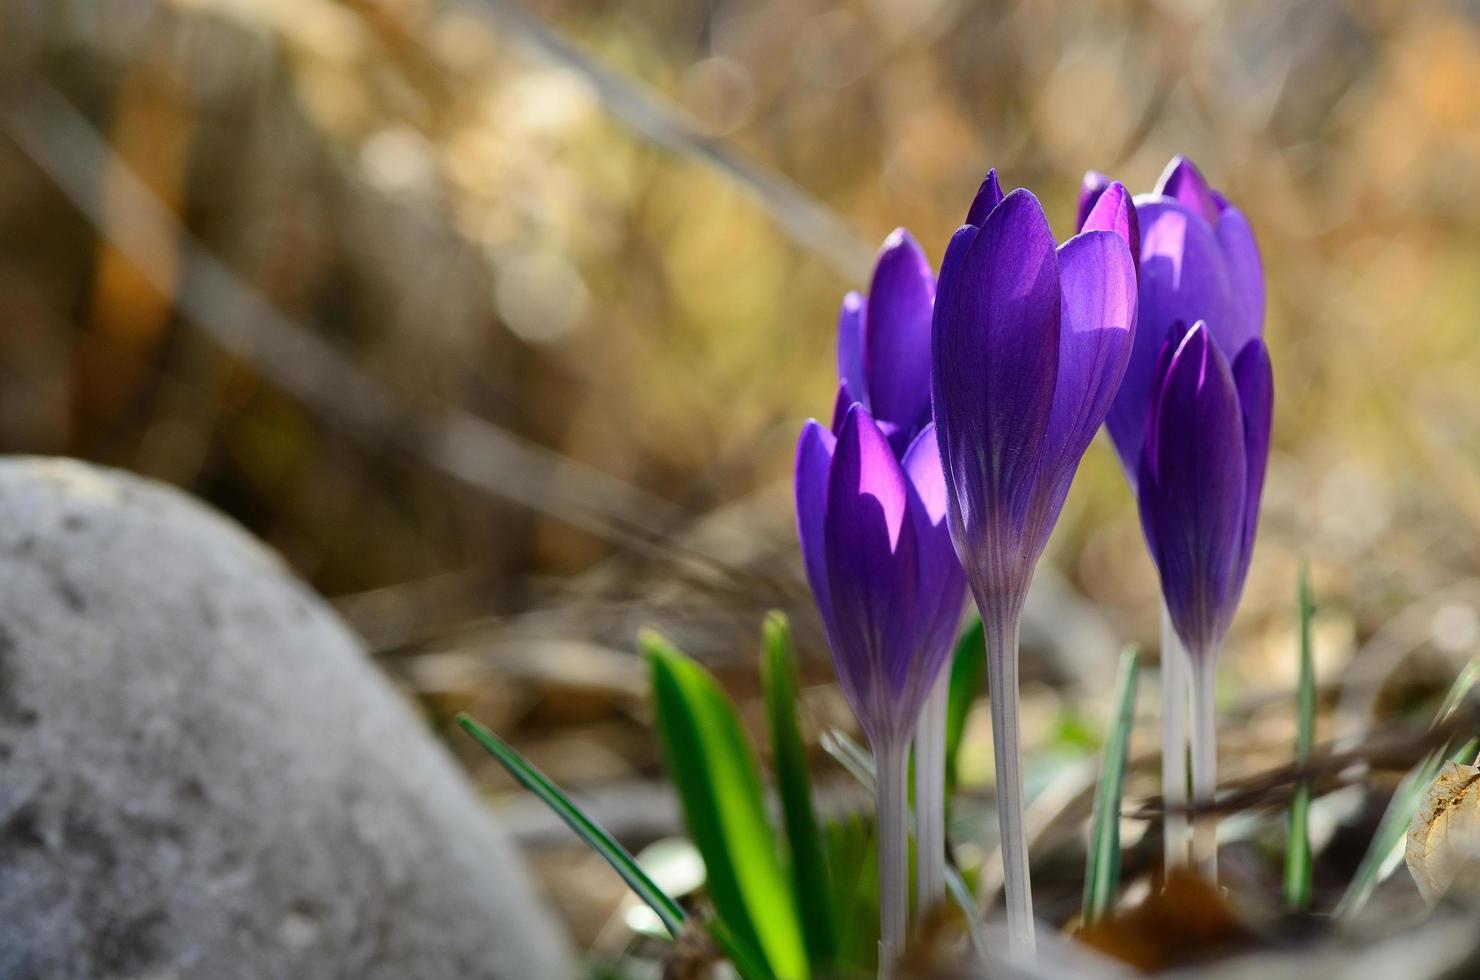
1396,749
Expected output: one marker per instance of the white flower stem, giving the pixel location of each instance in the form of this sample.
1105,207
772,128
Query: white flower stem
892,801
1002,684
1173,745
930,796
1205,763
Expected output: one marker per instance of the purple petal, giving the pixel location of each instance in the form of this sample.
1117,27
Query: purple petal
1169,348
988,196
1182,181
1255,382
896,337
995,357
942,589
850,345
871,567
1097,323
921,464
1245,280
1089,194
813,462
1193,490
950,271
1114,210
1182,280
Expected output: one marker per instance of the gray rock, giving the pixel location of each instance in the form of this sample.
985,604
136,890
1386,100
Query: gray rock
202,776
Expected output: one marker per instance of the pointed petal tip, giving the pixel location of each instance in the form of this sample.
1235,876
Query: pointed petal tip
864,465
1183,181
900,238
1114,210
1177,167
988,196
1090,190
1194,340
846,398
1019,206
813,429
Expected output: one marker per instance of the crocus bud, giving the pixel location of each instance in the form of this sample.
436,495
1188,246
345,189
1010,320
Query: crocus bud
1201,475
881,565
1029,346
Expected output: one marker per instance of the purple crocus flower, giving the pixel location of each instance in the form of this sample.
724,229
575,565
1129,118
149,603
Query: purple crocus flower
1191,425
1198,265
886,580
1029,346
881,565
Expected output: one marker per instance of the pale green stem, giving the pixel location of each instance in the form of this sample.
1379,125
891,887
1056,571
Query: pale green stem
1173,745
1204,763
930,796
892,801
1002,687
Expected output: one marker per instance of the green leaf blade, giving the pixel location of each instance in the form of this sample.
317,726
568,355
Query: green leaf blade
620,859
1298,861
808,861
1102,871
718,780
968,662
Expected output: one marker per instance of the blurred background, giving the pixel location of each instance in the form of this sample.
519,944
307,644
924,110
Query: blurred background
498,319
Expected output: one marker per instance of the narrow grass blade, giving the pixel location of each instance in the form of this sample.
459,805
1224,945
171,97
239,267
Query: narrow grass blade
960,893
1298,864
622,862
1102,871
808,863
1386,849
851,756
968,663
1459,690
718,779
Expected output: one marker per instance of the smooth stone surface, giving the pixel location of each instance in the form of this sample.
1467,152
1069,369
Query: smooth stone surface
203,776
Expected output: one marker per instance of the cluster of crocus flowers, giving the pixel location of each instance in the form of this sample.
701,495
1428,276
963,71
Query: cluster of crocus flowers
964,407
871,515
1191,425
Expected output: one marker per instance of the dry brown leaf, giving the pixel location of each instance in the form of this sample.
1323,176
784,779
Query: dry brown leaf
1444,838
1185,920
